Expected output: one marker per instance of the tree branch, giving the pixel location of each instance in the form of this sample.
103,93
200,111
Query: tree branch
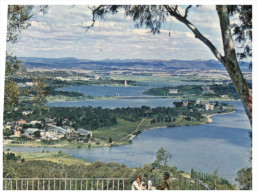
197,34
94,11
187,10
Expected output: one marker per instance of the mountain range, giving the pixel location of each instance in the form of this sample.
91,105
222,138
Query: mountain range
117,64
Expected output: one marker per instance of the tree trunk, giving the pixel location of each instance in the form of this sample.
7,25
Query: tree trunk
231,64
229,60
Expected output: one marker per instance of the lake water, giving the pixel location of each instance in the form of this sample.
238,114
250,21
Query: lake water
222,145
101,91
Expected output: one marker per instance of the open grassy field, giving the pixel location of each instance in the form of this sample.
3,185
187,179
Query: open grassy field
122,129
56,157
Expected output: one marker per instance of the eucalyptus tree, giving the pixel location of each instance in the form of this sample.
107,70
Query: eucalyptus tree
153,16
18,19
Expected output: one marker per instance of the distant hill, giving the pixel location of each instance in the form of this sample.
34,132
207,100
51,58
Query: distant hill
74,63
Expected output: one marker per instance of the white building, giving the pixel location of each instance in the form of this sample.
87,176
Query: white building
209,107
35,122
26,112
59,78
42,132
58,130
198,101
173,91
224,96
68,129
30,131
84,132
29,83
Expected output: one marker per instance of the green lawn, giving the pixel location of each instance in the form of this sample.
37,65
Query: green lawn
122,129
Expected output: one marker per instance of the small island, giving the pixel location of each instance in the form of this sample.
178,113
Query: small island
224,91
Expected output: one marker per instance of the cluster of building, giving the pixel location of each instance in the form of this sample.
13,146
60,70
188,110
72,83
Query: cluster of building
208,105
74,78
38,131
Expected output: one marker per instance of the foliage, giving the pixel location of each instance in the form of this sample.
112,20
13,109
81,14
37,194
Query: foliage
152,16
37,134
8,132
93,118
243,30
196,90
12,64
7,156
58,169
41,93
244,177
213,181
162,157
19,17
47,169
11,97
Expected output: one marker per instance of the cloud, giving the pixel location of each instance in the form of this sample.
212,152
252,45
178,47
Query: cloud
60,34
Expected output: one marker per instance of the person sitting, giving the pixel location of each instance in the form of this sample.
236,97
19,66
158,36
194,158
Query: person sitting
137,185
166,183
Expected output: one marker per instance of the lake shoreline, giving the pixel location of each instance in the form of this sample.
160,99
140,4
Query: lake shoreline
211,115
53,99
118,143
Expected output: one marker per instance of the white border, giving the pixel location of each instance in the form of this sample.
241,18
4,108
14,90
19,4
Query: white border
3,21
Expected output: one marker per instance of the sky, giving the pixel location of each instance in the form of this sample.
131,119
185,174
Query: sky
60,33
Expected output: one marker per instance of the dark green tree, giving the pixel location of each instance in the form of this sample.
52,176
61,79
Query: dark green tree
11,97
243,30
37,134
162,157
41,93
244,177
8,132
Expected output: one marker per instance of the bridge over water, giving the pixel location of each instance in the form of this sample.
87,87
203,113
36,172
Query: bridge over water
141,97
